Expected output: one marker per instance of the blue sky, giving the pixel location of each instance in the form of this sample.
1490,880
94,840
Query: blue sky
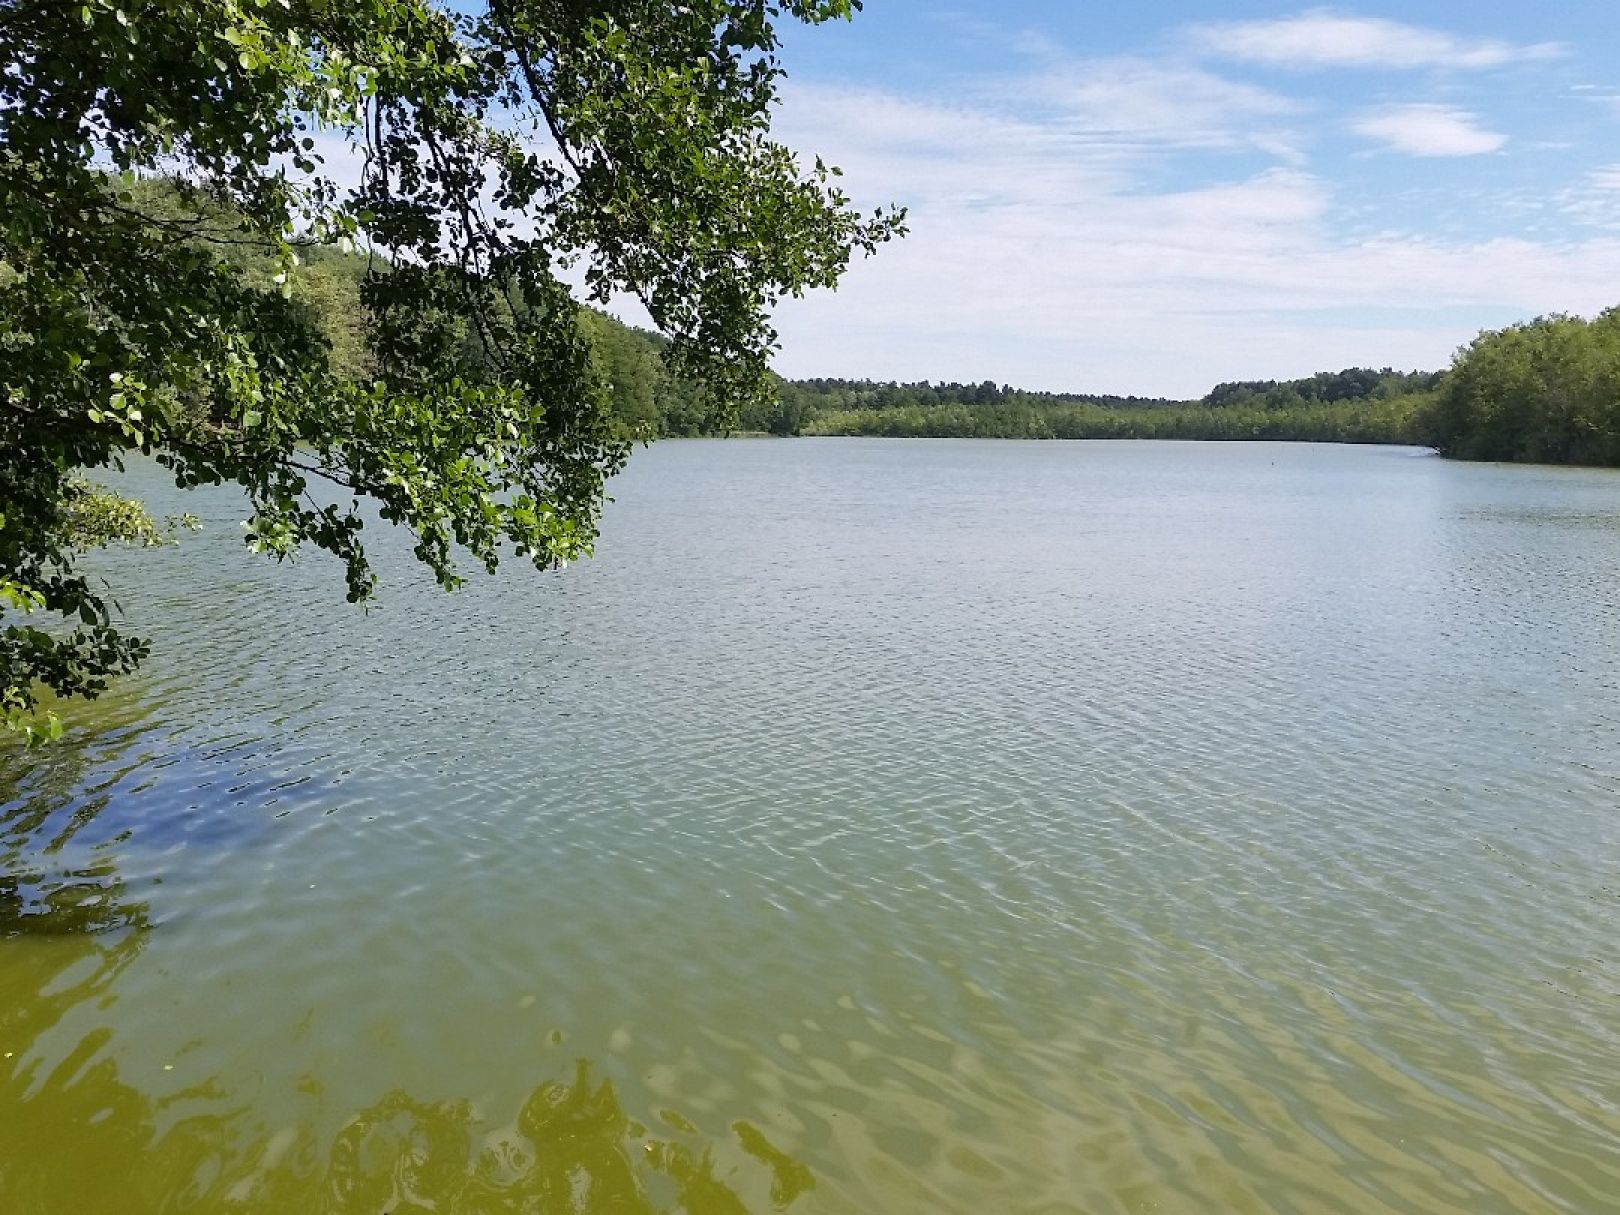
1154,198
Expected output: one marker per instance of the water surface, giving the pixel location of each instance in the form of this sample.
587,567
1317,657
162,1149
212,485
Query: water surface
872,826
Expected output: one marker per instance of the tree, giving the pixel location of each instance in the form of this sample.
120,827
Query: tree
1546,391
490,153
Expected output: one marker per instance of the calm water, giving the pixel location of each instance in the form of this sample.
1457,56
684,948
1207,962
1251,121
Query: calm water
872,826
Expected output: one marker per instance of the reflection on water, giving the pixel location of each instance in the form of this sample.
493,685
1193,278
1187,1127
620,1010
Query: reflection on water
571,1148
59,849
74,1132
872,827
79,1137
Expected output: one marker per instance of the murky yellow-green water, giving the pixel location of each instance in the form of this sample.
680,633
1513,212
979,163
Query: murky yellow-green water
874,826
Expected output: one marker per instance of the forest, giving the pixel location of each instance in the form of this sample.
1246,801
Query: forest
1354,406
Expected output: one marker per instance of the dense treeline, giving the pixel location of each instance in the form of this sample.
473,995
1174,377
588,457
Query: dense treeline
1324,388
866,394
1381,421
1354,406
1547,391
1359,405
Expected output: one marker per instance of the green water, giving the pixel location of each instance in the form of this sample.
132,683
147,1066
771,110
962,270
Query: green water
873,826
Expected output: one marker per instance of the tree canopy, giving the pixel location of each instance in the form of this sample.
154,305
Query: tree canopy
480,159
1546,391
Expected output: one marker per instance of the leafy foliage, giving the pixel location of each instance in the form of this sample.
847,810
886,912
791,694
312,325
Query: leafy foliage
1546,391
197,318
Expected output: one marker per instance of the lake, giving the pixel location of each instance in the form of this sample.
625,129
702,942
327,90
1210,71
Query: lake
872,826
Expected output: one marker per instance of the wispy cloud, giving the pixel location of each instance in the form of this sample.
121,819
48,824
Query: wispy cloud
1328,38
1429,130
1605,97
1594,201
1150,102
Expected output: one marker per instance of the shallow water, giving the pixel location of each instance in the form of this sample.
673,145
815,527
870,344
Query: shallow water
872,826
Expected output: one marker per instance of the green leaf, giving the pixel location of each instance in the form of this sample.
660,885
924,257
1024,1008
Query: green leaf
447,372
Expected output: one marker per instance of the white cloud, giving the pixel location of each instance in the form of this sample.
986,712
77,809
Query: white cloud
1143,101
1429,130
1042,257
1327,38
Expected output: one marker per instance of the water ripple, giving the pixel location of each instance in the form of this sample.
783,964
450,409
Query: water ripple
872,826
